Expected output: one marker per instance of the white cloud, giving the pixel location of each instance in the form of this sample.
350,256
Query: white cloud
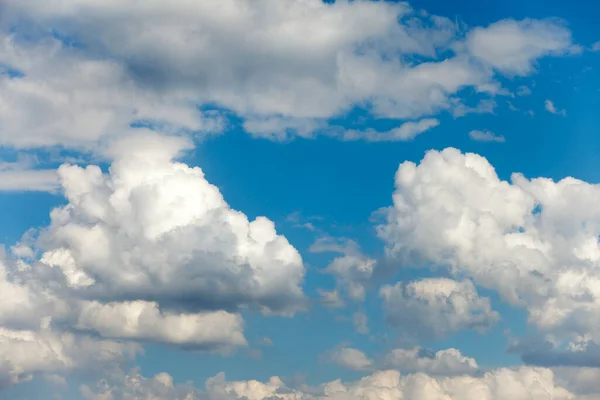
512,47
20,175
407,131
523,383
66,97
534,241
153,229
32,180
134,386
486,136
550,107
23,354
448,362
139,320
436,307
284,67
351,358
596,46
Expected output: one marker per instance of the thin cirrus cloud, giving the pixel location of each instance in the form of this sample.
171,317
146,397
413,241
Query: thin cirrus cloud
551,108
486,136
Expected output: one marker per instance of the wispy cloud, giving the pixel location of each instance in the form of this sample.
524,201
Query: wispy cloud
486,136
550,107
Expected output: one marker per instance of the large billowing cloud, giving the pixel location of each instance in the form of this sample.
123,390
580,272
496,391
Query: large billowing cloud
155,230
534,241
146,252
284,66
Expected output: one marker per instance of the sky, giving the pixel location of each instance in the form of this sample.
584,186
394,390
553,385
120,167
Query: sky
299,200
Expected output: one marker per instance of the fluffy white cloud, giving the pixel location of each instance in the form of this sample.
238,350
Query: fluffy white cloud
486,136
523,383
141,320
351,358
436,307
24,354
513,46
153,229
448,362
68,98
134,386
284,66
534,241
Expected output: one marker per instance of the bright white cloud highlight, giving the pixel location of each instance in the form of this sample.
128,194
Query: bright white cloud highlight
154,229
534,241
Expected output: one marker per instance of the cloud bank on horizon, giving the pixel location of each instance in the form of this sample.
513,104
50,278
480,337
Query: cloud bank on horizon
103,106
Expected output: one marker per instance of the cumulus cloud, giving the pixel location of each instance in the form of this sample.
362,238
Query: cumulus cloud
533,241
486,136
135,386
581,381
147,251
65,97
284,67
450,362
512,47
350,358
155,230
24,354
523,383
139,320
436,307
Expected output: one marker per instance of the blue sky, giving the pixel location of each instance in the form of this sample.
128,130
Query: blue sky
303,113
